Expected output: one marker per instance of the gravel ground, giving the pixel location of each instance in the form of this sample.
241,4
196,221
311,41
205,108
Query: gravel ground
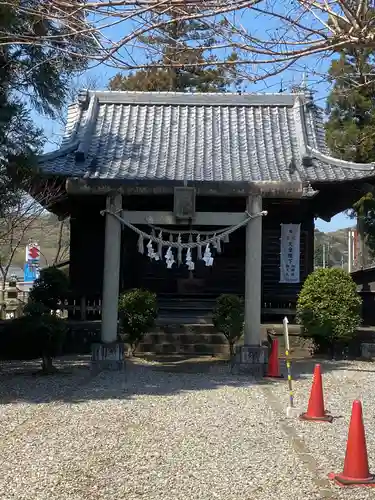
343,382
152,434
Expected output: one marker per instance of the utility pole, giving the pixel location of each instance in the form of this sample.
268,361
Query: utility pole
350,250
360,233
324,256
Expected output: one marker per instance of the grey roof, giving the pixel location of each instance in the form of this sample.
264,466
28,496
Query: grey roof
197,137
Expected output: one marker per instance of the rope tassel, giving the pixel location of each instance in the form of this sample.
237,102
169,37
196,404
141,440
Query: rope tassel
160,245
209,238
199,248
179,250
218,245
141,248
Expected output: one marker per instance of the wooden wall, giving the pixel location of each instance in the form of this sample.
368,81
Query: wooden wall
227,274
365,281
86,246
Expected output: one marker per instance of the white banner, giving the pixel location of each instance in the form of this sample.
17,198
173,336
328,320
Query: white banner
290,253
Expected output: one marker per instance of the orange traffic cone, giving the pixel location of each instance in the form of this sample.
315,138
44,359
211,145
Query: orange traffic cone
273,361
315,409
356,471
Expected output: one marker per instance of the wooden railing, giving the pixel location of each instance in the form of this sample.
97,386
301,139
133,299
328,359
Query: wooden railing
84,308
90,309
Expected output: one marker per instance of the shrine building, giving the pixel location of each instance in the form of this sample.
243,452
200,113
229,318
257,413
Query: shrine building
195,195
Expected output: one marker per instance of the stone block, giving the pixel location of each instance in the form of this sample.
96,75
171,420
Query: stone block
146,347
202,349
186,348
109,357
251,360
169,349
368,350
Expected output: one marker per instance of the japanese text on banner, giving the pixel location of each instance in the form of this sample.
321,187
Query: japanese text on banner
290,253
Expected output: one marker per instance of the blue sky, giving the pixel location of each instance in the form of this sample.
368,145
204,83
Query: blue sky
340,221
314,69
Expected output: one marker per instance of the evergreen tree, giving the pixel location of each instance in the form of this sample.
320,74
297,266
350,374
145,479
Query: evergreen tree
186,43
318,255
32,76
350,129
351,107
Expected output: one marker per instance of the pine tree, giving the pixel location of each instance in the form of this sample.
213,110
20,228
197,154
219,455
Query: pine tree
32,76
350,129
351,107
185,43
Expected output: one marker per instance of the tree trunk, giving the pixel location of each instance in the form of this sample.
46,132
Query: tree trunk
47,365
59,243
232,349
134,347
332,349
2,299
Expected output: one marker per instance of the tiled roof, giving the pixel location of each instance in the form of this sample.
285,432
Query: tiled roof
197,137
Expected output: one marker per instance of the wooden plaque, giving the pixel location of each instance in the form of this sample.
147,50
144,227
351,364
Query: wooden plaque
184,203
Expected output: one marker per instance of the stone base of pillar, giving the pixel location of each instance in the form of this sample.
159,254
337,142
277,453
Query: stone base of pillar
109,357
368,350
250,359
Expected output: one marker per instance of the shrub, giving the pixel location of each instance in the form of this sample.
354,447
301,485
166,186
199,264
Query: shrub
328,308
38,334
50,289
138,312
228,318
35,309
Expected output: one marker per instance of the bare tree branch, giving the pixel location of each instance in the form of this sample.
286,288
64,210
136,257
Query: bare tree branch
265,33
21,216
62,244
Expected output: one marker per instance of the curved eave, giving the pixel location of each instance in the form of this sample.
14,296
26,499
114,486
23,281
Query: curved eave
54,155
366,168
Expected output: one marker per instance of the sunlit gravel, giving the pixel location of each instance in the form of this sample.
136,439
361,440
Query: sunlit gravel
151,434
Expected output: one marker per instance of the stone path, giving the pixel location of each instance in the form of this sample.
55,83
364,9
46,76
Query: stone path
153,434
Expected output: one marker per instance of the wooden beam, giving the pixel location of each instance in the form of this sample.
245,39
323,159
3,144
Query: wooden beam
168,218
81,186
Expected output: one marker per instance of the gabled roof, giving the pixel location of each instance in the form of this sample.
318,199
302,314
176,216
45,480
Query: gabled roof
197,137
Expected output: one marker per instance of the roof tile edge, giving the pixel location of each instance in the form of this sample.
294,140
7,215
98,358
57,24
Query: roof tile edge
194,99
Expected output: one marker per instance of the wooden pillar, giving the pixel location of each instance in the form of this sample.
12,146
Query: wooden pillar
253,274
112,249
83,309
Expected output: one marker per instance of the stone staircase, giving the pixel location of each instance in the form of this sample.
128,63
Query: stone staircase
187,339
184,326
186,310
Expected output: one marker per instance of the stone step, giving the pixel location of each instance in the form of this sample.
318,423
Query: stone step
187,306
181,337
203,339
196,339
193,349
181,327
183,319
183,298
